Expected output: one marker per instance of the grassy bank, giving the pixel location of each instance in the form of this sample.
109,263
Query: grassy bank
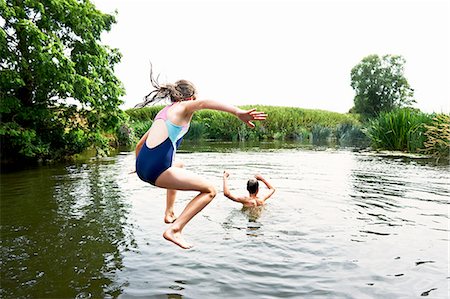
407,130
412,131
400,130
283,123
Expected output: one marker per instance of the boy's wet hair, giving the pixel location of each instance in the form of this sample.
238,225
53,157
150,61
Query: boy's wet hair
252,186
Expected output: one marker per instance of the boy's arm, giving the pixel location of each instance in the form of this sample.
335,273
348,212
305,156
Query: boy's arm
226,191
246,116
268,185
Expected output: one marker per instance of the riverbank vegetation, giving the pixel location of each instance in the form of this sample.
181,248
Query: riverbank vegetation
380,85
383,98
437,135
382,117
60,96
403,129
283,123
412,131
399,130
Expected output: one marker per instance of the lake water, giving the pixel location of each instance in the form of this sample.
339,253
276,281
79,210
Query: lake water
341,224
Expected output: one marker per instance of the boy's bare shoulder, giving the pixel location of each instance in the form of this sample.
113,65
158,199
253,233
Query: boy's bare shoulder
260,201
249,202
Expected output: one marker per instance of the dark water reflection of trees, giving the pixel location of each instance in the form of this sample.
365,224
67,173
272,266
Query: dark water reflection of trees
62,232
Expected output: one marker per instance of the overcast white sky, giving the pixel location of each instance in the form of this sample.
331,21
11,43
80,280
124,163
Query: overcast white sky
285,53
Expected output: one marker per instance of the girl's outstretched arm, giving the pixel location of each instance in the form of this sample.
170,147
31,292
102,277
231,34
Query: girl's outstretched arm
246,116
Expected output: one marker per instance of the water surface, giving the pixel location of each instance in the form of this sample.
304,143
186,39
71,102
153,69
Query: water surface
341,224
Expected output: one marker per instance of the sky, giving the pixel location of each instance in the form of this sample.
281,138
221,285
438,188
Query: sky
282,53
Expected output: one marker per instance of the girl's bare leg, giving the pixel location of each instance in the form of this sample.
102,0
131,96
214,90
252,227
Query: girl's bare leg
180,179
169,215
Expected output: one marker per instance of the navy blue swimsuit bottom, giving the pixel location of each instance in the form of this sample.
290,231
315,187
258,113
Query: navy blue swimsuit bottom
151,162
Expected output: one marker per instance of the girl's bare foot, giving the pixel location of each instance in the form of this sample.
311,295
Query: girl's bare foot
175,237
169,218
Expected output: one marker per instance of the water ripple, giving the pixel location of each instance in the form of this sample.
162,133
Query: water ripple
341,225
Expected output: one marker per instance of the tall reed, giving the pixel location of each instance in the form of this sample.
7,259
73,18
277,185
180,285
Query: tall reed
401,129
438,137
283,123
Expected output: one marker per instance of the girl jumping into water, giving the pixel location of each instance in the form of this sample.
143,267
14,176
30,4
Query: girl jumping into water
155,151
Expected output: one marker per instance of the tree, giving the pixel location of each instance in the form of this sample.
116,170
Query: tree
380,85
58,90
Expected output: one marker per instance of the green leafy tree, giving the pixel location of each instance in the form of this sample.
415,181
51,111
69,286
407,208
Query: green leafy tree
380,85
58,90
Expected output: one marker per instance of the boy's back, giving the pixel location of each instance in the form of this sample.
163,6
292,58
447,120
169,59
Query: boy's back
252,200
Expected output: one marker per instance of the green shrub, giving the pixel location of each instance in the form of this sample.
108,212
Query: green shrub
401,129
143,114
196,131
351,135
140,127
126,135
76,141
320,135
300,134
282,123
438,137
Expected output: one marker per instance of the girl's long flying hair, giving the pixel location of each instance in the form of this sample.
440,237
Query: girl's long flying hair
182,89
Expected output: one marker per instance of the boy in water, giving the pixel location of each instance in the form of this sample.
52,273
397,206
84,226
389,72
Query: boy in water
252,200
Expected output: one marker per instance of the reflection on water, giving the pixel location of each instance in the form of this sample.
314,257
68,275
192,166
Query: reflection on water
63,231
340,225
253,213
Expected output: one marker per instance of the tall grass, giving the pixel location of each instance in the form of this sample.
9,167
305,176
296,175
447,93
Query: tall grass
143,114
404,129
348,135
401,129
438,137
283,123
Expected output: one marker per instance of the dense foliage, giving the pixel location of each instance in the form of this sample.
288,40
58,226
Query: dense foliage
58,88
438,137
380,85
314,126
59,95
401,129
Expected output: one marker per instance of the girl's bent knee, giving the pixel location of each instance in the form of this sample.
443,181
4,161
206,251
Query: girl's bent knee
212,192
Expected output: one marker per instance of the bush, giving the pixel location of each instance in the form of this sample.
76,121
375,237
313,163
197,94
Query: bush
320,135
140,127
351,135
438,137
282,123
196,131
126,135
143,114
401,129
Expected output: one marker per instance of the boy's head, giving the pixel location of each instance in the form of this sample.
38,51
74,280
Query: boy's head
252,186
